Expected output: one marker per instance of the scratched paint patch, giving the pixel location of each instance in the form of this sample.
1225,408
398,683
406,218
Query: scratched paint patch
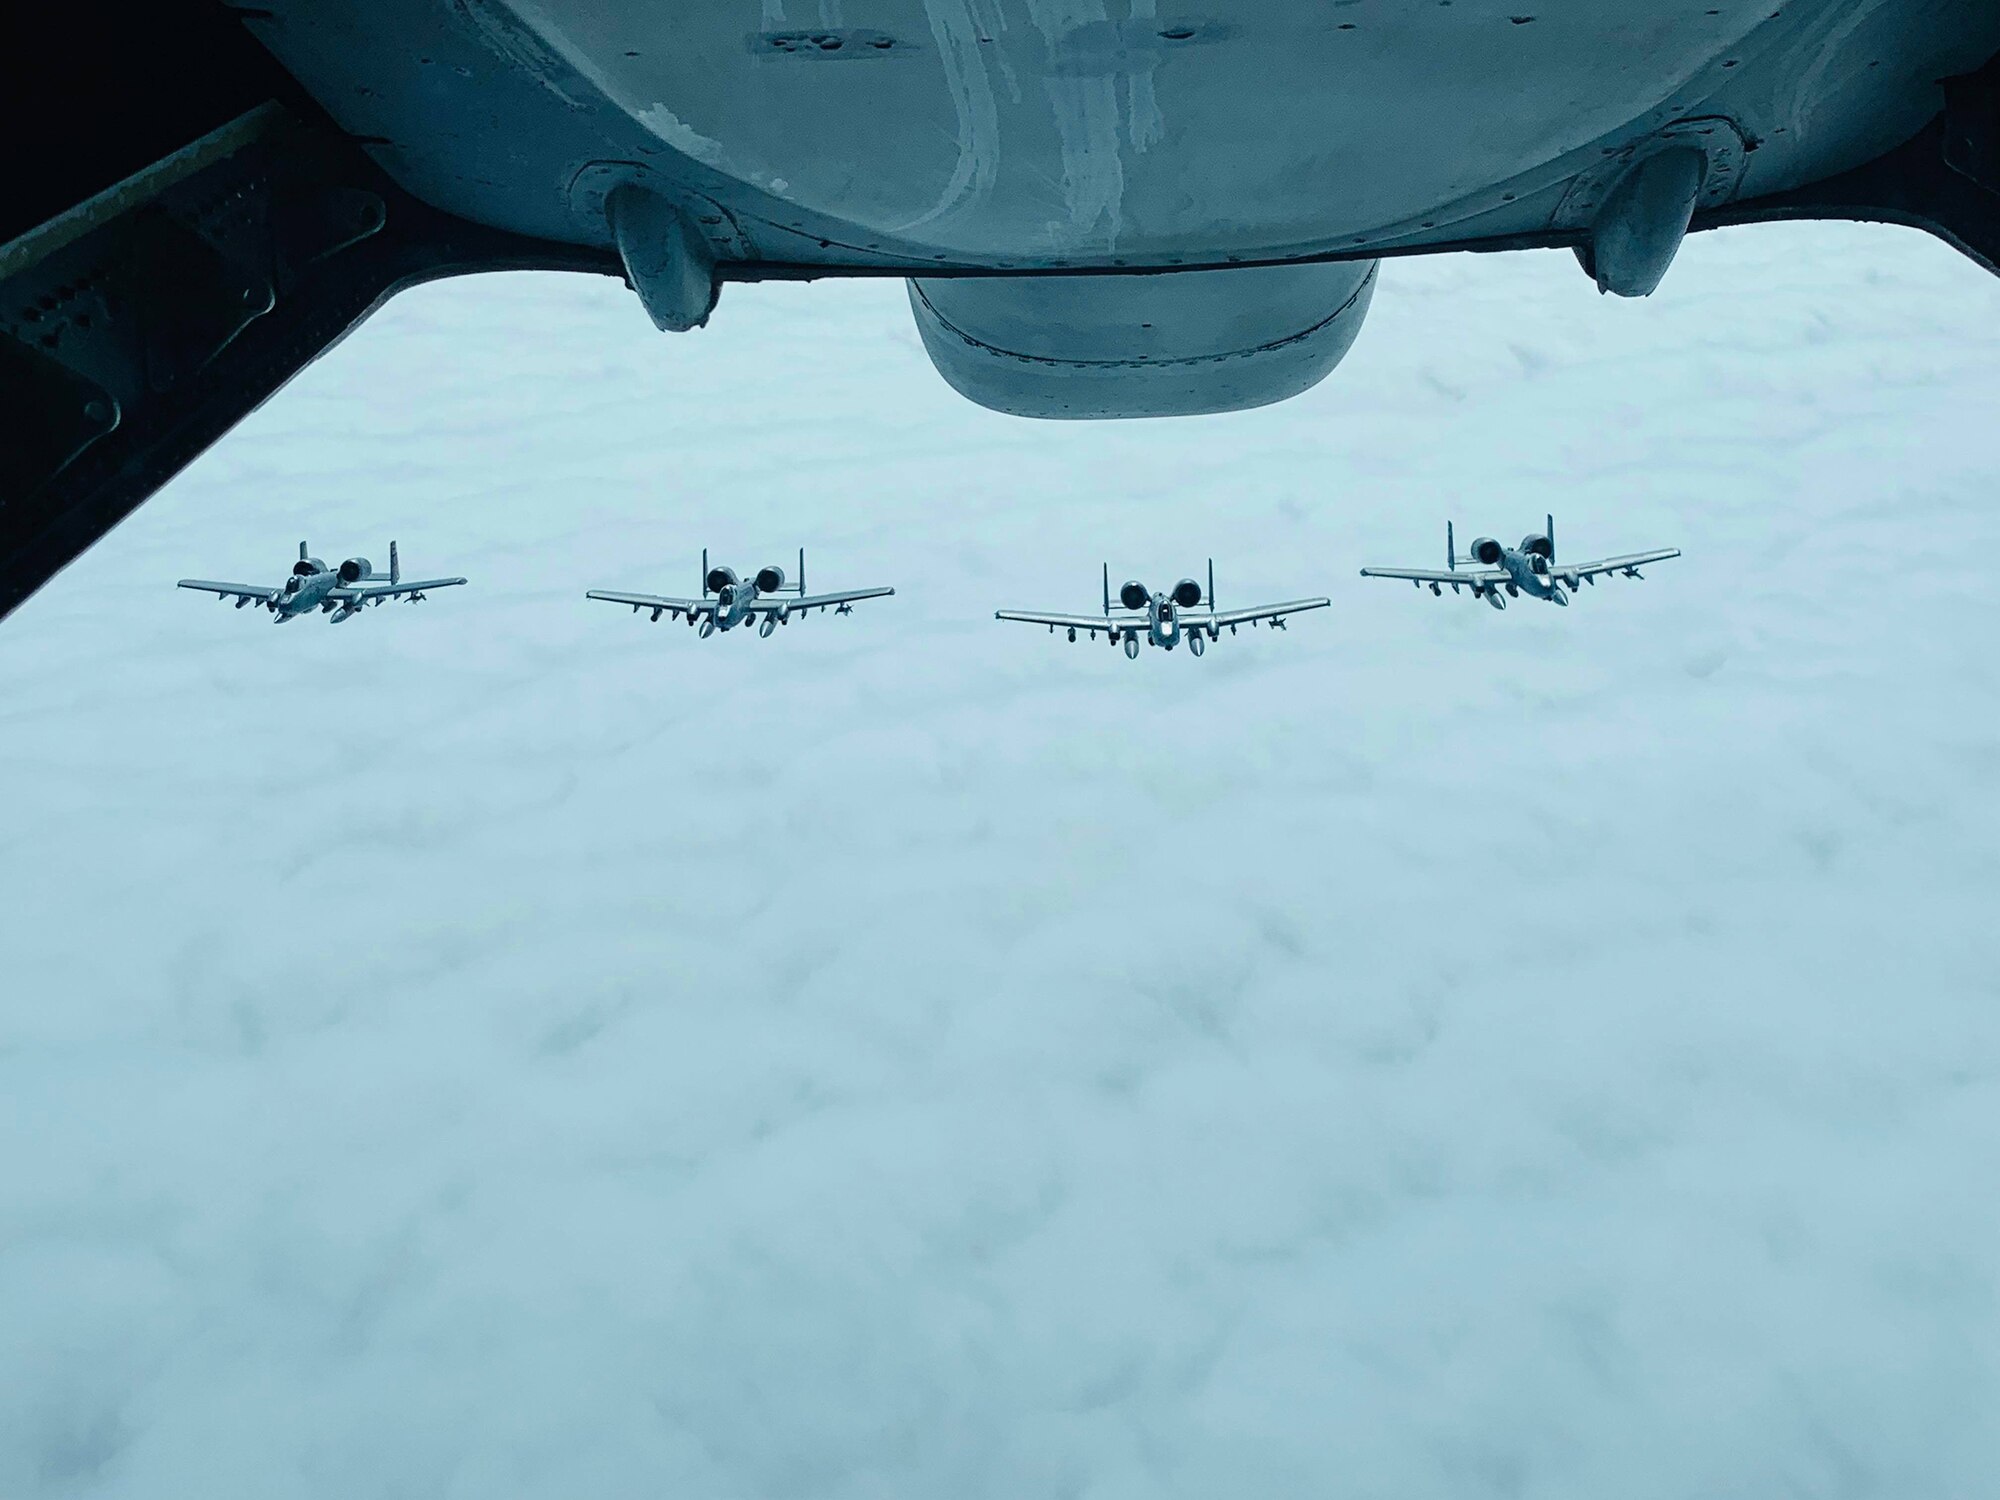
1138,45
850,44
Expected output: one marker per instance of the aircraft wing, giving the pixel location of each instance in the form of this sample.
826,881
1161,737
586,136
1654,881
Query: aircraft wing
657,603
231,590
1251,616
1441,575
391,590
814,601
1091,623
1572,573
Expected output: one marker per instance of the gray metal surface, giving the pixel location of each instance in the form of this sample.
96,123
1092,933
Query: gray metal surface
1496,572
1108,149
728,599
1142,346
1162,618
1039,133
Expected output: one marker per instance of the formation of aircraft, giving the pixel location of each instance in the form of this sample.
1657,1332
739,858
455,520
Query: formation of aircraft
342,592
728,601
1164,619
1214,243
1531,568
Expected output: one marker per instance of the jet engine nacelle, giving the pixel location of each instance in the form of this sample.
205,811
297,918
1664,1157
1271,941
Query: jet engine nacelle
770,580
721,578
1187,593
1487,552
1161,345
1134,595
305,567
1534,544
355,569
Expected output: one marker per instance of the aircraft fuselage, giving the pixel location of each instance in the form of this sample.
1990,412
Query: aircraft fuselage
1529,573
734,605
1164,627
302,594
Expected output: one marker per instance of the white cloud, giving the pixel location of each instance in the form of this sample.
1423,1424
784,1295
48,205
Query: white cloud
504,1048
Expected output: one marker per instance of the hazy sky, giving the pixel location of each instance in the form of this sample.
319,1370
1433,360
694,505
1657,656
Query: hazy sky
500,1047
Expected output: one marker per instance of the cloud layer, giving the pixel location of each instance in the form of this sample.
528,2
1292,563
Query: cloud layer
500,1047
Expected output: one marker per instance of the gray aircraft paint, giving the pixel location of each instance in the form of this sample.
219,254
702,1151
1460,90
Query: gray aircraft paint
1032,136
727,600
342,591
1163,618
1530,568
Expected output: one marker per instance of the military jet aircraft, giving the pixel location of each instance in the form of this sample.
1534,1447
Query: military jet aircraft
1509,572
727,601
341,592
1164,619
1100,210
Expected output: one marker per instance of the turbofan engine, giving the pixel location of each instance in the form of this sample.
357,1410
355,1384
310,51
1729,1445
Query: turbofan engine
1488,552
1134,595
305,567
1537,545
770,580
1187,593
721,578
355,569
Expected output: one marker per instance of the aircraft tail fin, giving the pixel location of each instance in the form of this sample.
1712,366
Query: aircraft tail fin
704,572
802,572
302,551
1211,583
1551,535
395,565
1107,590
1450,550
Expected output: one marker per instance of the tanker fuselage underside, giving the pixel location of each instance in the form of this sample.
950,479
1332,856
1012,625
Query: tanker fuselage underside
1109,209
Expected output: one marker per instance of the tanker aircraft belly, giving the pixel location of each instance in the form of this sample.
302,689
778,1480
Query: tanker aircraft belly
1101,208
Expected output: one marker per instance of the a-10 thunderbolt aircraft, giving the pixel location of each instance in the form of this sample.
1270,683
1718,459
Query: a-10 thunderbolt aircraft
342,592
1530,569
727,601
1164,619
1101,208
